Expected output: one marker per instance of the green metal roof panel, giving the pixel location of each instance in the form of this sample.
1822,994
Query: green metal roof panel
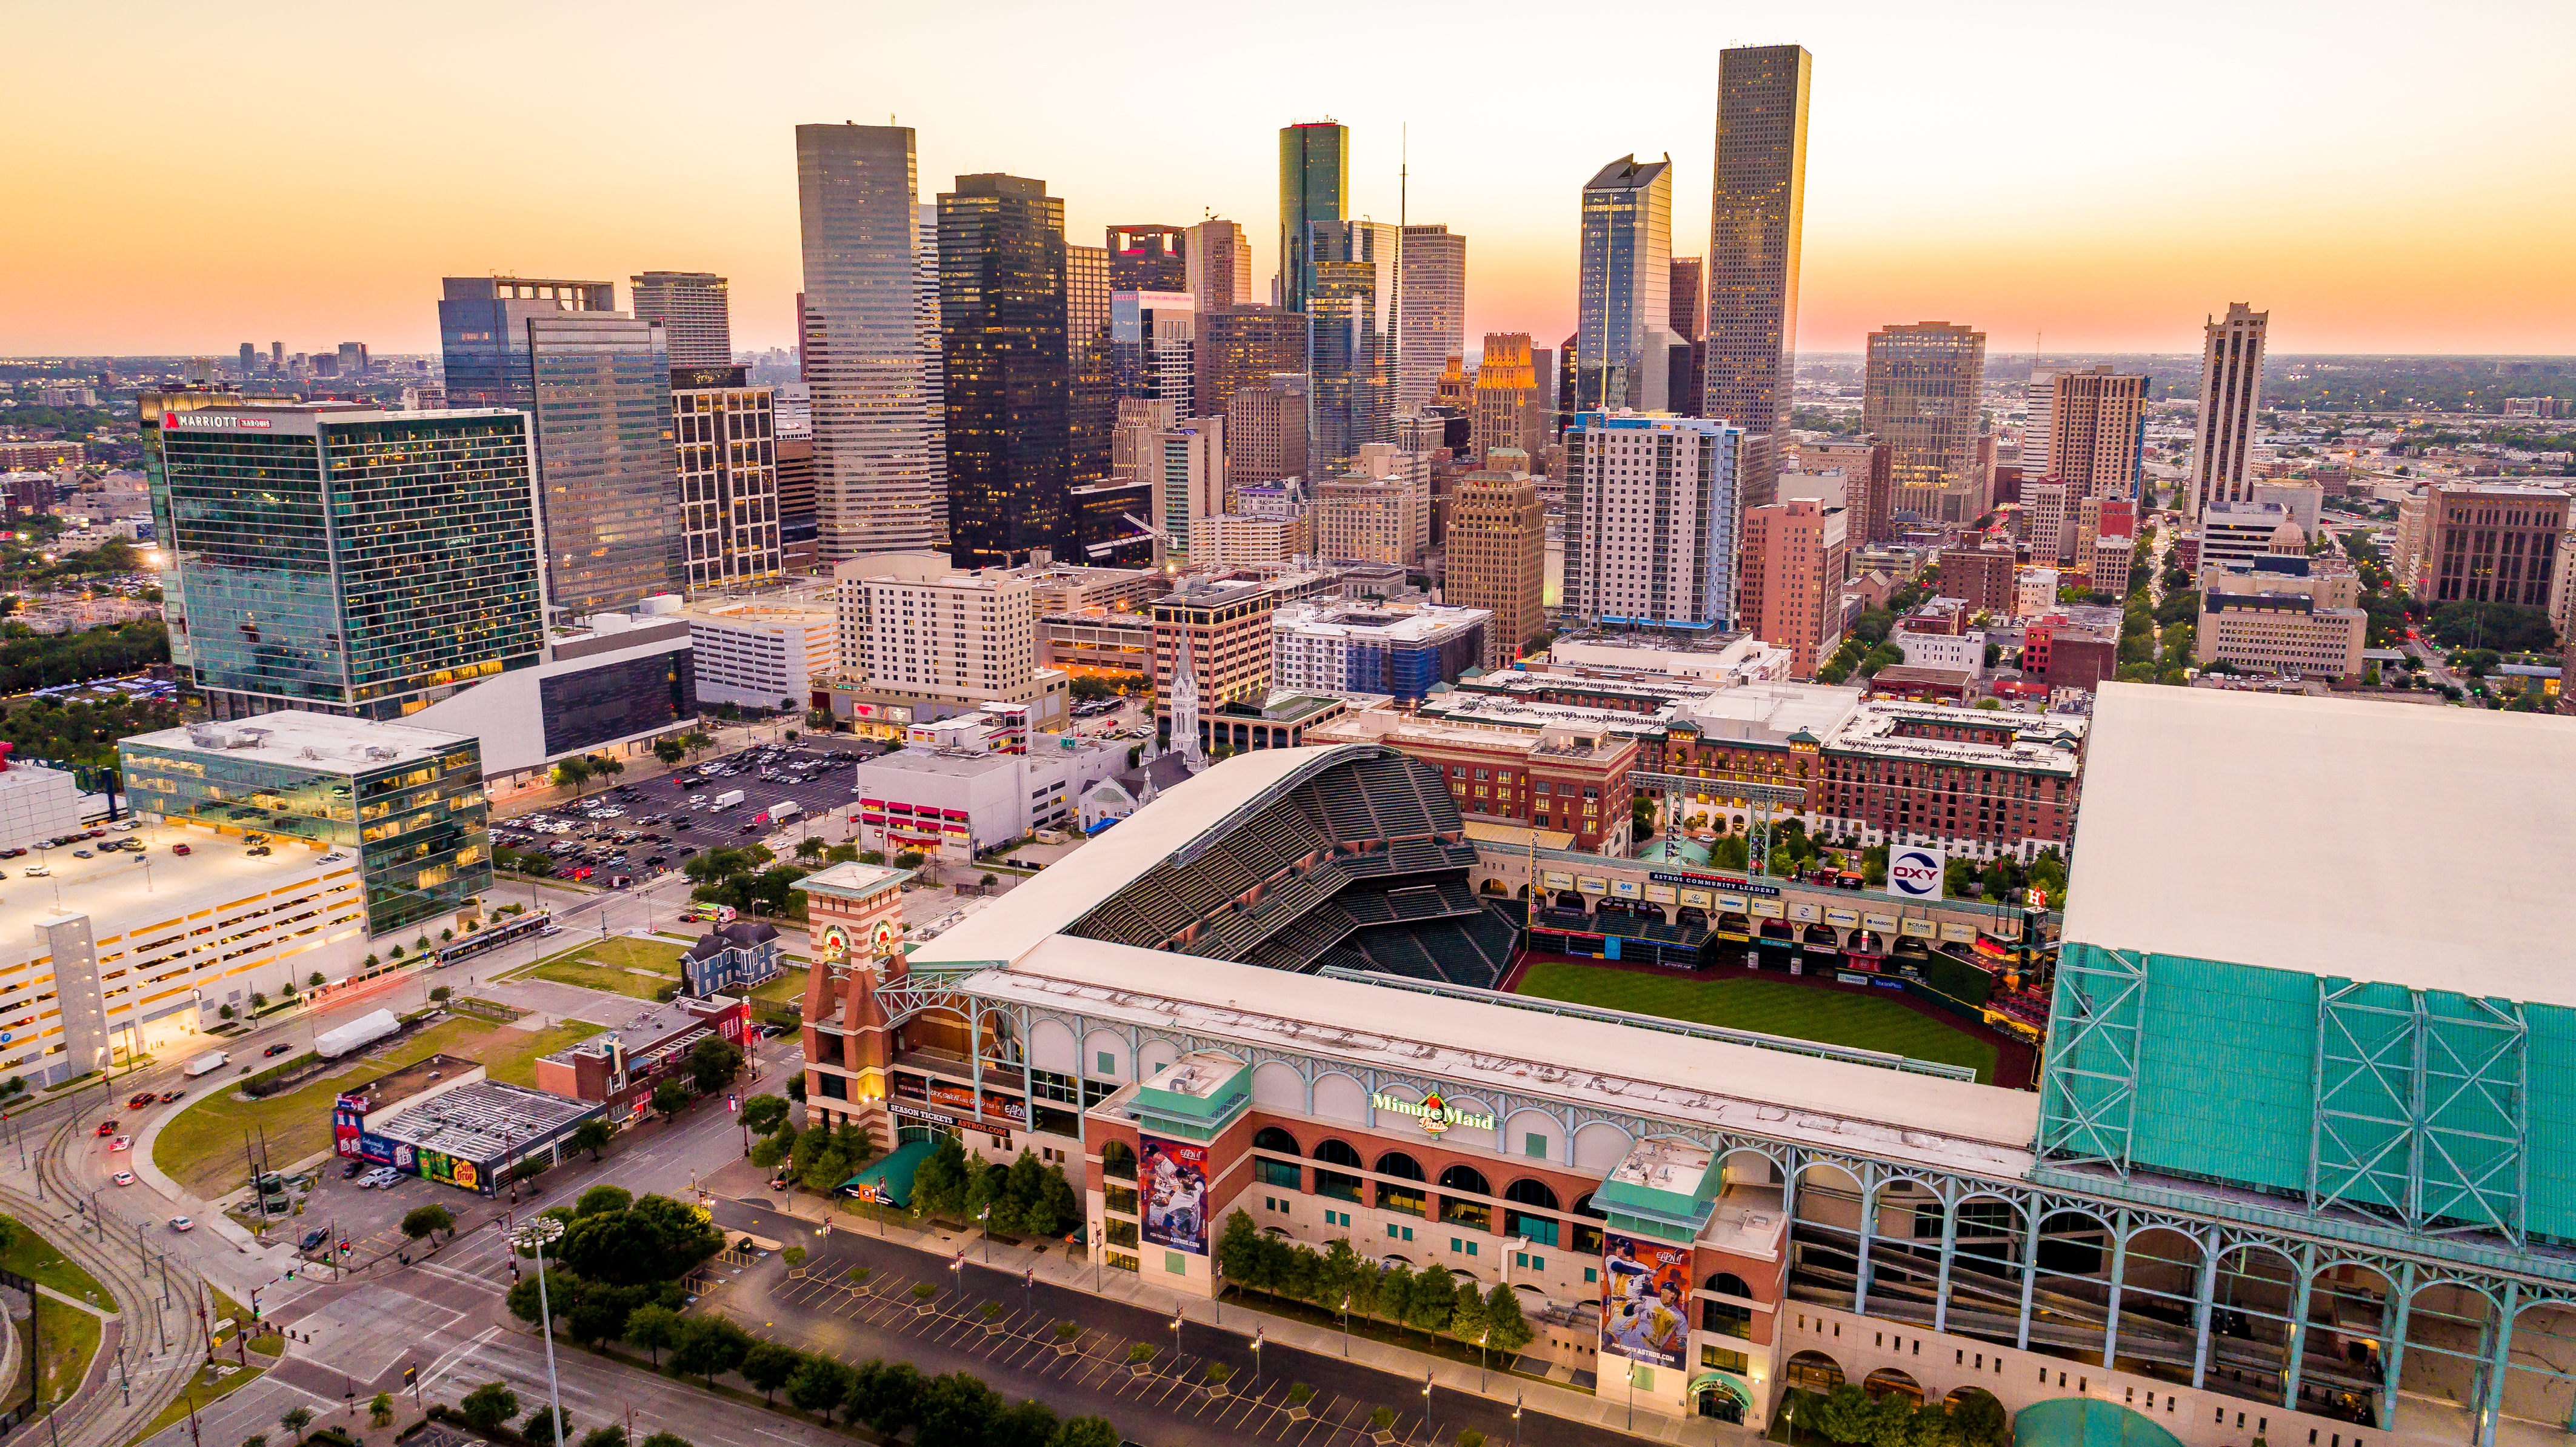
890,1176
2087,1422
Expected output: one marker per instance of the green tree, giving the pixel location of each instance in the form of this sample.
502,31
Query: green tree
1433,1301
546,1427
592,1135
1844,1415
769,1366
713,1063
488,1407
764,1113
671,1096
611,1435
957,1410
528,1304
602,1200
1029,1424
819,1386
653,1328
1507,1331
1085,1432
666,1439
600,1313
575,774
1467,1320
887,1396
380,1409
420,1221
295,1420
709,1346
668,751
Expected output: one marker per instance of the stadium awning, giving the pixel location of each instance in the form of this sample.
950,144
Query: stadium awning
889,1180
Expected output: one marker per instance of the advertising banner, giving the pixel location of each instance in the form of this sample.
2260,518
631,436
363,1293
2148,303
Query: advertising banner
1914,871
1645,1293
348,1122
1175,1178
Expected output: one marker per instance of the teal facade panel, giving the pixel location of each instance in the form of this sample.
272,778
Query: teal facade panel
2225,1070
2552,1153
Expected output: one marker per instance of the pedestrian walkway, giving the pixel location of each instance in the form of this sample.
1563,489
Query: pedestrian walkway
746,1185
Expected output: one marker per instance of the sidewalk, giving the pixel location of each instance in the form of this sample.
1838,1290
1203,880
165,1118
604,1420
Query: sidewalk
745,1184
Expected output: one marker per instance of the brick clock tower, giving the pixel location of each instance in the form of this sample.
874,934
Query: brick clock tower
854,928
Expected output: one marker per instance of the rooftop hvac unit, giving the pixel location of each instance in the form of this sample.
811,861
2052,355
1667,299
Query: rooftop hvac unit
381,752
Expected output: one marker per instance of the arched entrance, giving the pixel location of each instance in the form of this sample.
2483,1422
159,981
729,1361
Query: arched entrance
1721,1396
1889,1382
1813,1371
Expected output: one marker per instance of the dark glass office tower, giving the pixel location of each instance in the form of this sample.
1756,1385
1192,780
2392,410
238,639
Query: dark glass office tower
1005,365
1314,186
1099,498
1149,258
1352,321
347,560
598,385
1754,225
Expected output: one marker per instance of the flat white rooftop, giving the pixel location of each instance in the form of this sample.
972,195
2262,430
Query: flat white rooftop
2424,847
299,739
117,891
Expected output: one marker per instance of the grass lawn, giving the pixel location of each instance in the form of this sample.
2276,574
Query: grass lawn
32,1256
202,1148
510,1056
787,989
70,1338
610,965
1770,1006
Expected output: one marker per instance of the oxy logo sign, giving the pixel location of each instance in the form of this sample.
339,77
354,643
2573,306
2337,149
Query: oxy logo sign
1915,872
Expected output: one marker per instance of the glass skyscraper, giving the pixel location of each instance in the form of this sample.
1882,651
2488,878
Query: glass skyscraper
598,384
346,560
1624,284
1314,189
1753,238
1004,370
1352,348
867,334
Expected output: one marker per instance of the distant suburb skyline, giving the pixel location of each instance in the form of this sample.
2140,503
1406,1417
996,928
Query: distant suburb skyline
2381,179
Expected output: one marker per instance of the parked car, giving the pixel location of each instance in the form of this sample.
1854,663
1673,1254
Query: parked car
85,854
350,1169
37,871
180,849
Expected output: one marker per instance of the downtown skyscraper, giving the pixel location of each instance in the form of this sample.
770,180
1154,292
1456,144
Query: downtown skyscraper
694,310
877,488
1755,219
1920,394
1623,287
1352,326
1431,307
597,385
1314,190
2231,393
1004,369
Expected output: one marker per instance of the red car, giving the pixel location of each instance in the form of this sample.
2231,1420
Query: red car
179,849
105,1128
139,1100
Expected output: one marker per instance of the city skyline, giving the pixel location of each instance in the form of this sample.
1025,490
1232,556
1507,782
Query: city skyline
2040,238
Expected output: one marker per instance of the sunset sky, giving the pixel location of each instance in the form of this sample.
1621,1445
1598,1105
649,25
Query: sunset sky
2381,178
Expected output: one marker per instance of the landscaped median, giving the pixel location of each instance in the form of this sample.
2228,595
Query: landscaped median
68,1337
620,965
201,1147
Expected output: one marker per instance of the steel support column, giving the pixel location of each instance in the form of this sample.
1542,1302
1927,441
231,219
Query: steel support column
1868,1228
2202,1309
2392,1344
2119,1267
2032,1216
1949,1253
2499,1360
2295,1341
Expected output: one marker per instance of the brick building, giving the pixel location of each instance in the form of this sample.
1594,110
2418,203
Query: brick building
1789,579
1981,576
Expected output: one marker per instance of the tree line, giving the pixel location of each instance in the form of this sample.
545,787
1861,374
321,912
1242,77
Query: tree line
1338,1278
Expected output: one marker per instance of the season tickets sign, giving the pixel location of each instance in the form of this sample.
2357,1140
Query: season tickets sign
1645,1286
1175,1180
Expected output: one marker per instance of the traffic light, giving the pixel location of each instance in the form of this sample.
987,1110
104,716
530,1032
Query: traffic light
254,1306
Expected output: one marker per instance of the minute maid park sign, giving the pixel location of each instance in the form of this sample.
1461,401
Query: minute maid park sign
1436,1115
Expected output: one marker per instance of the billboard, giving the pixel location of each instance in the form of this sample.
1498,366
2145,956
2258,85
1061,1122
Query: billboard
1645,1294
1175,1179
348,1123
1914,871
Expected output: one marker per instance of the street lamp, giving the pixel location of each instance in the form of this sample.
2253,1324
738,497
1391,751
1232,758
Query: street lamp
957,1272
1256,1361
984,1228
1176,1338
1516,1419
537,1234
1480,1359
1346,1324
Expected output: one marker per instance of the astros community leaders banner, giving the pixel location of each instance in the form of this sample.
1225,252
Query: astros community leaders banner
1644,1288
1176,1188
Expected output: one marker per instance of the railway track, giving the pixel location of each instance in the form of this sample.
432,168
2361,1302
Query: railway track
159,1348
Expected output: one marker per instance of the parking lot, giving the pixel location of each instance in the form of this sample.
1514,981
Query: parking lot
370,1220
662,828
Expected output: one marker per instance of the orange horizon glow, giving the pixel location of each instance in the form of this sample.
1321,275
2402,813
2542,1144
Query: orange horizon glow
2075,182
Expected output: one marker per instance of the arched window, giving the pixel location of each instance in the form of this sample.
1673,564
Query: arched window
1727,1283
1528,1192
1465,1178
1272,1138
1337,1153
1117,1160
1541,1230
1398,1164
1587,1238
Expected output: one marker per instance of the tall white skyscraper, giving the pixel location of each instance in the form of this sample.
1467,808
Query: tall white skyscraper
1624,284
1652,519
1218,263
1431,319
2231,392
2039,399
876,488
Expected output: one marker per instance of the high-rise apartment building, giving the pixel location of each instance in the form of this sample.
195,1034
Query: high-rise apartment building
1624,283
922,640
1755,222
2490,542
2039,406
1789,592
1352,315
1361,518
1153,348
1149,258
1496,551
724,433
2231,393
1652,520
1246,346
2097,432
1265,431
1509,411
1982,576
1869,482
877,485
1217,259
276,600
1314,190
1431,322
597,384
1187,466
1920,396
693,310
1004,369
